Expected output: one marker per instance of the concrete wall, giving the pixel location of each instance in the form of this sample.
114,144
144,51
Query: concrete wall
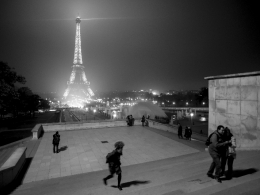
37,130
10,169
163,127
234,102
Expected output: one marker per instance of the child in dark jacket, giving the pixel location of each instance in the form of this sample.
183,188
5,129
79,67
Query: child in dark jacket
113,160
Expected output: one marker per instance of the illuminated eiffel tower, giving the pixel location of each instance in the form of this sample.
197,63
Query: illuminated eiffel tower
78,92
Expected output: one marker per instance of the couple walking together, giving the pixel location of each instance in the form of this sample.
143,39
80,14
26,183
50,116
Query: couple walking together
222,150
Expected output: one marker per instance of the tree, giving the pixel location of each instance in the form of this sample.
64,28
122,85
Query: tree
8,95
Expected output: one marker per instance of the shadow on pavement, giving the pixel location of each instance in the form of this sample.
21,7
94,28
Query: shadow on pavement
240,173
63,148
130,183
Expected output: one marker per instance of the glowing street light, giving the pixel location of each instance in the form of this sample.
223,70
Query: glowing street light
191,115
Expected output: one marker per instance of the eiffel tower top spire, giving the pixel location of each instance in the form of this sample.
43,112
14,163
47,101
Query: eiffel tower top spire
77,53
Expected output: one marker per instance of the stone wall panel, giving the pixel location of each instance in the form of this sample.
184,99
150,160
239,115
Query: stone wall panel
212,105
220,92
233,92
249,127
211,83
221,119
249,108
248,131
233,81
211,93
258,80
249,92
212,117
234,123
212,128
248,80
221,106
221,82
233,107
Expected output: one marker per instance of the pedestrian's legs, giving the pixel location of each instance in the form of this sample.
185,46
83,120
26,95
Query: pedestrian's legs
57,149
106,178
216,159
230,166
211,169
53,148
119,181
223,164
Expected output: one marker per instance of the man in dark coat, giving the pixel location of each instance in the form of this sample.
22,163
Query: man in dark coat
186,132
113,160
55,142
216,149
180,131
189,133
143,120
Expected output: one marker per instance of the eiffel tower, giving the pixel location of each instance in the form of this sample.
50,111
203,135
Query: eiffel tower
78,91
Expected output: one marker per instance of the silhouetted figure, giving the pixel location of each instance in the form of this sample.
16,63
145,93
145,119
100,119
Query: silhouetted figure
113,160
201,131
55,142
189,133
186,132
180,131
216,148
143,120
229,154
130,120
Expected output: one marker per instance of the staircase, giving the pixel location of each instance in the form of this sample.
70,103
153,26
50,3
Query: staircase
187,175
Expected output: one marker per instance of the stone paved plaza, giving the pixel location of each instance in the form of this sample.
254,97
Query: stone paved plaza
82,151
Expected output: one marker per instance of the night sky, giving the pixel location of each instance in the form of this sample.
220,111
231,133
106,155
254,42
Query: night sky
135,44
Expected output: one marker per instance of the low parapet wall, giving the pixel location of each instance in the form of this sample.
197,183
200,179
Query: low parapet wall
12,166
37,130
164,127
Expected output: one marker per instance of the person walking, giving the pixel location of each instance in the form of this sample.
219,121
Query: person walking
186,133
55,142
143,120
113,160
216,148
180,131
189,133
229,154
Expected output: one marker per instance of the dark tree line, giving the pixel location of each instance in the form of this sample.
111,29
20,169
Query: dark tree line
17,100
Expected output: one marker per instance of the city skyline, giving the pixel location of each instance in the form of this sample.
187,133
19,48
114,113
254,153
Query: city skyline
128,45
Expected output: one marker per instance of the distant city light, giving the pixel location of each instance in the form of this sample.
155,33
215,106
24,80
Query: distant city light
173,102
203,103
187,103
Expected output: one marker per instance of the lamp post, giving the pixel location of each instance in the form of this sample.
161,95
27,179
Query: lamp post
191,115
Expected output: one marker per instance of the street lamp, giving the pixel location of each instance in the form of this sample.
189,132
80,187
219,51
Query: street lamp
94,113
191,115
